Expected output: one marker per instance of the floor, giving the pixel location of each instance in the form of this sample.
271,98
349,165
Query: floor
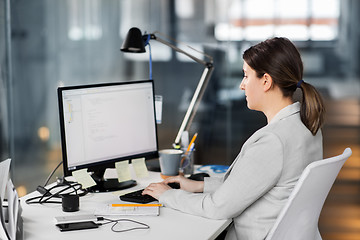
340,217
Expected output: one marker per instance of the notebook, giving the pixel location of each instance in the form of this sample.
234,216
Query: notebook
108,210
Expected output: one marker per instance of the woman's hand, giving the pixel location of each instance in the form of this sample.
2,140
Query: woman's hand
186,184
156,189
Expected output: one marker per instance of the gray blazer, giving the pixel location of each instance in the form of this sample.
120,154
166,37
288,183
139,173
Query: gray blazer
259,181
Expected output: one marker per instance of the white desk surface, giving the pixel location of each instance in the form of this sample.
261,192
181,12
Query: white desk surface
171,224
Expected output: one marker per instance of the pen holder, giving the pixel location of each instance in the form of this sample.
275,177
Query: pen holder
187,163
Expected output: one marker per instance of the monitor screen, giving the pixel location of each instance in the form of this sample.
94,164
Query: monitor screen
101,124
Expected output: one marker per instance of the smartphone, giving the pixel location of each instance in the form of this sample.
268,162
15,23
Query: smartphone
76,226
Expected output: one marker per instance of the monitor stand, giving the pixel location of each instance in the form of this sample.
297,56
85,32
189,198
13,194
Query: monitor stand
109,185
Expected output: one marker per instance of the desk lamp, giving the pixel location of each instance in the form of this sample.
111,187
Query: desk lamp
135,42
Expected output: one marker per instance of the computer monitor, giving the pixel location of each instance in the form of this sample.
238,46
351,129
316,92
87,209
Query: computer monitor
105,123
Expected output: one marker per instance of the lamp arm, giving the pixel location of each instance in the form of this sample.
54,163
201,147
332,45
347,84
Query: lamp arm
194,104
200,89
153,36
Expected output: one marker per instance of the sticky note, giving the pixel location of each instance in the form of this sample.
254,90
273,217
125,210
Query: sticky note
140,167
83,177
123,171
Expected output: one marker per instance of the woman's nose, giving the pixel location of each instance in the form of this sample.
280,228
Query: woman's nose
242,85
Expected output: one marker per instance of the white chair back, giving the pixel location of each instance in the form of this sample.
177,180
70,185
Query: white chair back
298,220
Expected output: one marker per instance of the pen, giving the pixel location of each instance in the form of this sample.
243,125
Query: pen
135,205
188,149
192,148
191,143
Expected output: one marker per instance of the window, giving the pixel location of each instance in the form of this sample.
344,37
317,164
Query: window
84,20
300,20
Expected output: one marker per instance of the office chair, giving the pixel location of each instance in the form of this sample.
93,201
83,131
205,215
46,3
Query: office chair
298,220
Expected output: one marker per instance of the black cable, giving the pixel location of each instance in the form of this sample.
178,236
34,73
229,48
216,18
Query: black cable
58,194
52,173
145,226
47,195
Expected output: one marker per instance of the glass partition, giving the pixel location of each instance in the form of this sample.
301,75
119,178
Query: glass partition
60,43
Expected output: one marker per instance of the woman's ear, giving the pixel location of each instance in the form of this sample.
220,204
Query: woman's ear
267,82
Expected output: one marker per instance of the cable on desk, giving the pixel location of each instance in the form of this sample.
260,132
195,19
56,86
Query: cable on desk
47,195
52,173
143,225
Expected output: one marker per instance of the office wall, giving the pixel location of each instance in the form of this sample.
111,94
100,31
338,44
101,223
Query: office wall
56,43
4,82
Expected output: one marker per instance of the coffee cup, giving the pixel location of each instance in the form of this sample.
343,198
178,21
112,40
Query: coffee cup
170,162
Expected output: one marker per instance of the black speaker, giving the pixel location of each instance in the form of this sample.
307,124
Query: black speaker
70,203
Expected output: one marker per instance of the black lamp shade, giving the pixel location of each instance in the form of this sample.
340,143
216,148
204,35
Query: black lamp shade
134,42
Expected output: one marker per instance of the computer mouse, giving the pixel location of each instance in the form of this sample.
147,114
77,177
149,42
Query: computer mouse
198,176
174,185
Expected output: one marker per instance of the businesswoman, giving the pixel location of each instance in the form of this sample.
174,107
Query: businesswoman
270,162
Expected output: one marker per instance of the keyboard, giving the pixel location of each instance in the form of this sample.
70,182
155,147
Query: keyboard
137,196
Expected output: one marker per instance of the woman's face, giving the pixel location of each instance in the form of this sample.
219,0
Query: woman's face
252,86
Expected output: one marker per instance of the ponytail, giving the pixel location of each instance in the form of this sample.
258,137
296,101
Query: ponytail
312,108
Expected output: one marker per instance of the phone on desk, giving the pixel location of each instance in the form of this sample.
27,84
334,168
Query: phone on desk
76,226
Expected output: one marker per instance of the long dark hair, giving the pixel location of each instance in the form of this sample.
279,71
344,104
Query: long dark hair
279,58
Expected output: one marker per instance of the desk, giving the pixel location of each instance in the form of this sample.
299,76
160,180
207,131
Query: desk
171,224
